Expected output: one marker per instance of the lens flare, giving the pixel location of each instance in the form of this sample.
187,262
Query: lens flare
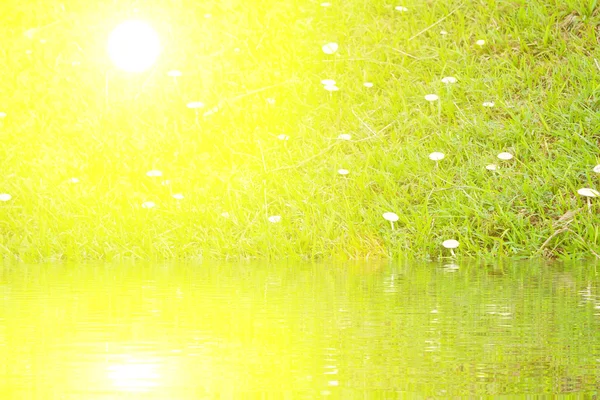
134,46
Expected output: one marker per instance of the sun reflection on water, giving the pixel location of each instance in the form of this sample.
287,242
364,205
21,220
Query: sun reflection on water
135,375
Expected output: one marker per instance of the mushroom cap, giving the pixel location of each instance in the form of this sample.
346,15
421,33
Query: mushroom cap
450,244
431,97
195,104
390,216
5,197
505,156
154,172
343,171
330,48
587,192
274,218
449,79
328,82
436,156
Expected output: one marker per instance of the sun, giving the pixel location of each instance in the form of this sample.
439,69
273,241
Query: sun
134,46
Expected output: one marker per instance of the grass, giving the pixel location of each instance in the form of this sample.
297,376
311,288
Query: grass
69,113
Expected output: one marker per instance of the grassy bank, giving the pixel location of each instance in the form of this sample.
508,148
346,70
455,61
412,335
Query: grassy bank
267,142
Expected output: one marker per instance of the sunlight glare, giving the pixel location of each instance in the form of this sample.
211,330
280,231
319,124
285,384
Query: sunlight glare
134,376
134,46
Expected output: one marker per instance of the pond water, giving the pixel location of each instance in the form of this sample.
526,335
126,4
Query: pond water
378,330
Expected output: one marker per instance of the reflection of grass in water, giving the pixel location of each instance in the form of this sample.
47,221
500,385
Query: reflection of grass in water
481,330
258,71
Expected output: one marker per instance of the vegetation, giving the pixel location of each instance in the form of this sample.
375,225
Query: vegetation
266,143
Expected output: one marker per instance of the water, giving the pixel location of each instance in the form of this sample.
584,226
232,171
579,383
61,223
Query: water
298,331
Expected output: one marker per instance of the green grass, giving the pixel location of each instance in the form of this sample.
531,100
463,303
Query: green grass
109,128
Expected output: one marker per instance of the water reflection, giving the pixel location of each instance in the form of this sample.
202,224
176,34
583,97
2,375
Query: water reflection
135,375
195,331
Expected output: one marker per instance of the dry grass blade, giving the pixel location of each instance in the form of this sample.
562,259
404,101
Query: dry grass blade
435,23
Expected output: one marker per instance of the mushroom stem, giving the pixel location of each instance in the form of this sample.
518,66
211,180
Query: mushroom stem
589,204
392,222
452,252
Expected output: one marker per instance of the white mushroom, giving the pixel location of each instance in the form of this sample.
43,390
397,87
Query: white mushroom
148,204
451,244
154,173
436,156
588,194
449,79
195,105
392,217
274,218
330,48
